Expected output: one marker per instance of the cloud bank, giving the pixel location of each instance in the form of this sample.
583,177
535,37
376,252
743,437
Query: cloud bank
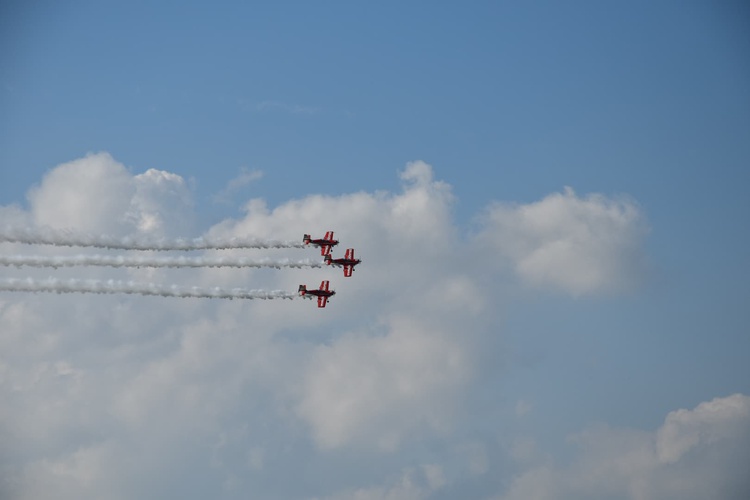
115,396
573,244
698,453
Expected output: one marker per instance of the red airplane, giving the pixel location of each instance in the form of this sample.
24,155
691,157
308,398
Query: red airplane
348,262
322,293
325,243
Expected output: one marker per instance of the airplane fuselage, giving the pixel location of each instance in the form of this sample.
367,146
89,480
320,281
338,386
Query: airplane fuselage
322,293
325,244
347,262
318,293
344,262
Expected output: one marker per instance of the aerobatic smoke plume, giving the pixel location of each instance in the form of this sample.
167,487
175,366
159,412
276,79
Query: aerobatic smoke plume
66,238
130,287
147,261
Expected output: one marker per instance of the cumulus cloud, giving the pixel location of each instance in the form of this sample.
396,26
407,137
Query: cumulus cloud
696,454
710,422
98,194
372,390
580,245
92,193
123,397
162,204
107,379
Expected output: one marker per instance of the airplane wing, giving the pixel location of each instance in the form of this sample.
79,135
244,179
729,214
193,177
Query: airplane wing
326,249
324,285
349,254
322,301
348,271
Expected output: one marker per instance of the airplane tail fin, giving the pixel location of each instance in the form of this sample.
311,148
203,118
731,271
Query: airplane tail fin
302,289
306,239
327,259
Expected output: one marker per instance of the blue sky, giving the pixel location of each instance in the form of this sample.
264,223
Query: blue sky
645,104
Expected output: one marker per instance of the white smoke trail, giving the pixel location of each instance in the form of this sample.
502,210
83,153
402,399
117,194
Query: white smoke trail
130,287
55,237
140,261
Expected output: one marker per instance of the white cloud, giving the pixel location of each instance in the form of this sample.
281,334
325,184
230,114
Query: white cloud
162,204
708,423
577,245
123,397
98,194
373,390
90,194
696,454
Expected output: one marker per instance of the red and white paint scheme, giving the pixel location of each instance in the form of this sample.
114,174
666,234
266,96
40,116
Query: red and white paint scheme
348,262
321,293
325,243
